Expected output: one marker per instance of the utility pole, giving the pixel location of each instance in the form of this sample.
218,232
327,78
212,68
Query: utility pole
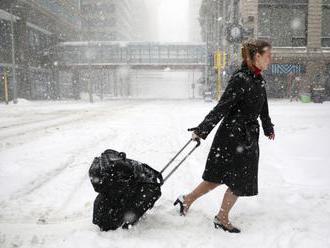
5,85
13,55
207,52
193,83
89,54
223,41
236,21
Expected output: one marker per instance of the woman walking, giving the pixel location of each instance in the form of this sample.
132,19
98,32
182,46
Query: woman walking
234,154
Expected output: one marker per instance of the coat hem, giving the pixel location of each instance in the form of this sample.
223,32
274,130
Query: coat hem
228,185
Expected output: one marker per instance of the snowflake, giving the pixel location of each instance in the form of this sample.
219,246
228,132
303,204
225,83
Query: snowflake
239,149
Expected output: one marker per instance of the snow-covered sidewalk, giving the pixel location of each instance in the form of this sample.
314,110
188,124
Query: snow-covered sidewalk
46,198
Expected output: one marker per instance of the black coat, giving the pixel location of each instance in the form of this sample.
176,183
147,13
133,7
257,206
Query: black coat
234,154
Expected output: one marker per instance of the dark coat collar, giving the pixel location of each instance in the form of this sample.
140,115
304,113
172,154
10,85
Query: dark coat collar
248,71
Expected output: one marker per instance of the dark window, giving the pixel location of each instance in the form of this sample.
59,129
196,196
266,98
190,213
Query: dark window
5,38
5,41
283,22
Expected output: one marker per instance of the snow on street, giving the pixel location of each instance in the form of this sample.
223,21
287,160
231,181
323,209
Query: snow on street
46,198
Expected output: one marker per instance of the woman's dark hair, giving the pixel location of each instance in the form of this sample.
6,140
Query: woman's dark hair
251,47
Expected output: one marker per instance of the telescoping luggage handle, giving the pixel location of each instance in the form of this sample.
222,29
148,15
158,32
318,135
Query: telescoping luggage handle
178,165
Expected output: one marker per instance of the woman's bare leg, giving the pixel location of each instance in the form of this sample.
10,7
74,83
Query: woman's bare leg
228,202
200,190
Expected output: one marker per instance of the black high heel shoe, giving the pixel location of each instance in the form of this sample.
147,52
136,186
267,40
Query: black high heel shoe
218,224
183,207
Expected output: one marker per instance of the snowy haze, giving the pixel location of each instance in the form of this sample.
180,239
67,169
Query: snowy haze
170,19
173,20
170,24
47,144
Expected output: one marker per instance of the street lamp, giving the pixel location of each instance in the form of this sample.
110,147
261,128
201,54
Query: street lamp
13,54
89,53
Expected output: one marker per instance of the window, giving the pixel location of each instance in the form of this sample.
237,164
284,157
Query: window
325,35
5,41
284,22
5,38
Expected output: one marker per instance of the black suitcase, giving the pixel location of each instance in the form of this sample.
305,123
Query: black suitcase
127,188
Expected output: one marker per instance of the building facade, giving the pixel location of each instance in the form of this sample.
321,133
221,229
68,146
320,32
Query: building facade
214,19
299,31
300,34
110,20
142,24
37,26
194,25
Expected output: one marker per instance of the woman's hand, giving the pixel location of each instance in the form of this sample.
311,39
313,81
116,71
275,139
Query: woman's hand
271,136
194,136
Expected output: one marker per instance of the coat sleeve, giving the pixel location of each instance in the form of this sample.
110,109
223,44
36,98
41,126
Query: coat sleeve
267,124
232,94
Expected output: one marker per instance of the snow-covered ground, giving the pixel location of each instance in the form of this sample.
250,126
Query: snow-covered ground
46,150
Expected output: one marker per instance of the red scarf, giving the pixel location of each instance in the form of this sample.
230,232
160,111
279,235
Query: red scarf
257,71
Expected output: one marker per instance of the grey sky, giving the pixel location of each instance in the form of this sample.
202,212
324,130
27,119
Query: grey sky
170,18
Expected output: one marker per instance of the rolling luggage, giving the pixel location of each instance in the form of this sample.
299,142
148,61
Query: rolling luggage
126,188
